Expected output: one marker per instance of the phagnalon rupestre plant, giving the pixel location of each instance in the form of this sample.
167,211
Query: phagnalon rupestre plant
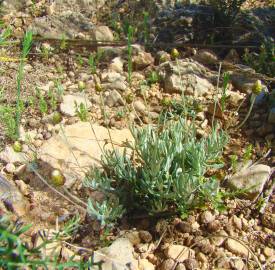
166,171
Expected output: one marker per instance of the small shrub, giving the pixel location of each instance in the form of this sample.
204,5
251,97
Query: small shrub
168,172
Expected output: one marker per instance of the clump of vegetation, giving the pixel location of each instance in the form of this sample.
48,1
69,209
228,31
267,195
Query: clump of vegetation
166,173
11,117
226,10
16,254
263,61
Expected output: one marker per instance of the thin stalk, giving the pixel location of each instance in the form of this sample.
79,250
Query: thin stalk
253,98
216,99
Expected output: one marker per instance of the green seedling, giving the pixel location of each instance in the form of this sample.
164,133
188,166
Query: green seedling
248,153
42,104
81,111
234,162
63,43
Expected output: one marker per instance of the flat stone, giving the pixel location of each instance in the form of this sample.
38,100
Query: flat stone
237,248
185,77
102,33
113,99
75,150
179,253
8,155
119,256
11,196
144,264
252,178
142,60
68,104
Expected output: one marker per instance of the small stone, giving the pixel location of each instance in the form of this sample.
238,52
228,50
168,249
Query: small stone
134,238
139,107
238,264
145,236
252,178
24,189
8,155
214,226
207,217
237,222
268,252
168,264
184,227
68,106
145,265
201,257
180,266
113,99
179,252
142,60
102,33
116,65
191,264
237,248
10,168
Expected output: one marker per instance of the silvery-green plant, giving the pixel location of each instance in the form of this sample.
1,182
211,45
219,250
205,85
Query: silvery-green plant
168,172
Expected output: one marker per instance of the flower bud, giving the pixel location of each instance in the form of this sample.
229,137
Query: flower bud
257,87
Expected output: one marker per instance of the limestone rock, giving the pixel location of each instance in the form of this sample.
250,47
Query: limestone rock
179,253
102,33
185,76
252,178
144,264
118,256
237,248
68,104
116,64
12,197
8,155
80,149
113,99
142,60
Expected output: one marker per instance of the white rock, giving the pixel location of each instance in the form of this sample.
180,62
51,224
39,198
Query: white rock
207,217
139,107
102,33
76,153
113,99
237,248
10,168
144,264
119,256
142,60
116,65
252,178
8,155
68,104
179,253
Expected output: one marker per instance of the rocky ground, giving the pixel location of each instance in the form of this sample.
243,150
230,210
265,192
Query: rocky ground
241,237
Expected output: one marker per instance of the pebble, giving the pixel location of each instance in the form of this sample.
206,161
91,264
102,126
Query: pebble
191,264
144,264
23,187
237,222
167,264
145,236
180,266
184,227
268,252
237,248
134,238
140,107
10,168
207,217
179,252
